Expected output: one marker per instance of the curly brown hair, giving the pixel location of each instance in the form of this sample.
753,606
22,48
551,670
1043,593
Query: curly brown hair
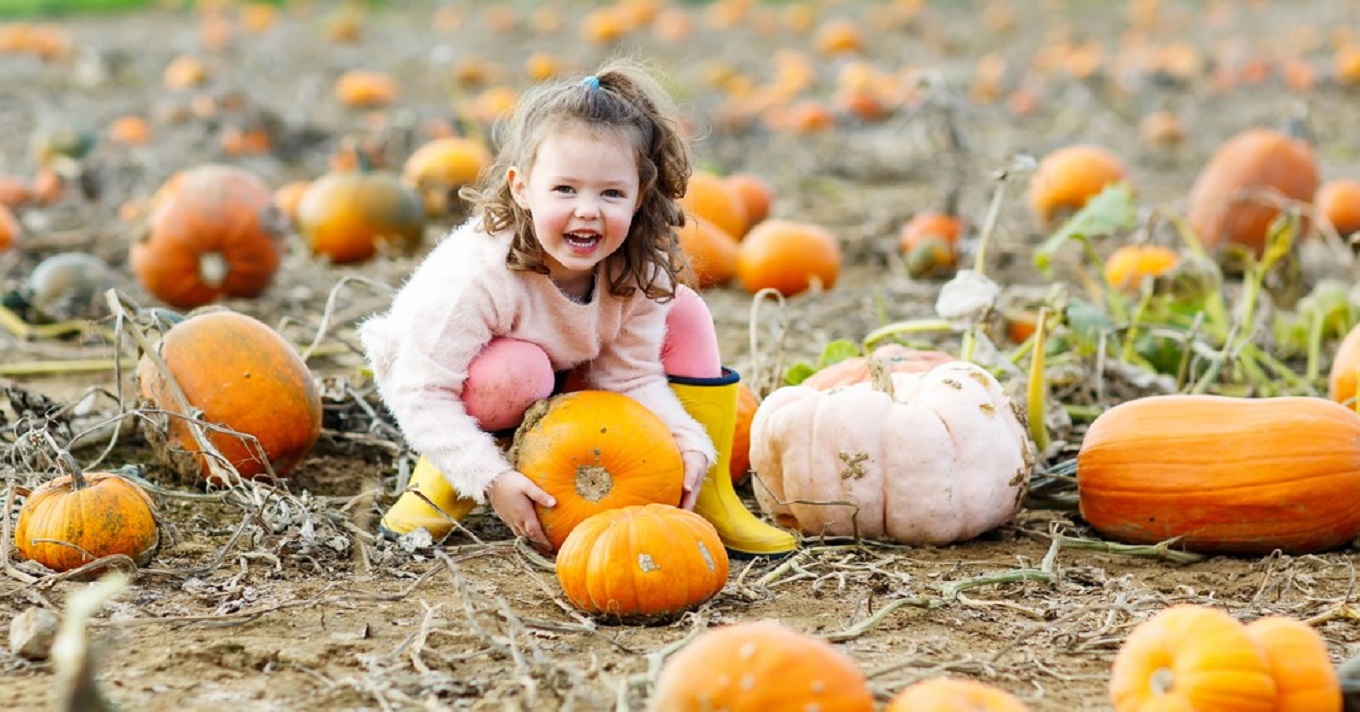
630,100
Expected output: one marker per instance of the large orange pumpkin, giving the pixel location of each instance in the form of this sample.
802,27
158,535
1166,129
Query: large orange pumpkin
788,255
99,514
760,666
346,215
1221,207
1305,680
642,562
240,374
954,694
594,451
1191,657
214,232
1221,474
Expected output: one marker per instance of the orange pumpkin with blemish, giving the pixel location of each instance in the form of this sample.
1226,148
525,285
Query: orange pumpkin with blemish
74,519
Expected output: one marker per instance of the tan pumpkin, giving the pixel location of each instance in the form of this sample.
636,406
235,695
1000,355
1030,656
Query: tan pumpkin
214,231
941,458
239,374
760,666
954,694
1223,208
896,358
74,519
1191,657
346,216
594,451
1221,474
642,562
1305,680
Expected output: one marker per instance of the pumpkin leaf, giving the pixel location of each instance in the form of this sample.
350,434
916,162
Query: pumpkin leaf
838,351
798,372
1087,322
1110,211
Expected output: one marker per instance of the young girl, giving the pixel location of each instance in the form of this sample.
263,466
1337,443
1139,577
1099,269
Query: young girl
570,264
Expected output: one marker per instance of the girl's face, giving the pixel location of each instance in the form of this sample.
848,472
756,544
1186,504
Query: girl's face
581,193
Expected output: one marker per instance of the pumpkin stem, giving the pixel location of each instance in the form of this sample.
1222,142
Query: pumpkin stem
213,268
1163,681
880,378
593,482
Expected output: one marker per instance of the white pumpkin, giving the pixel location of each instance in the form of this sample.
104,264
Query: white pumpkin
944,458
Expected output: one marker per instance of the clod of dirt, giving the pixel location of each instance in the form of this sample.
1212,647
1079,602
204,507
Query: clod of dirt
31,633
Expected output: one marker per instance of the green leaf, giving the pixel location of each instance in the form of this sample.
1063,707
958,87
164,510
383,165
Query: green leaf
798,373
838,351
1110,211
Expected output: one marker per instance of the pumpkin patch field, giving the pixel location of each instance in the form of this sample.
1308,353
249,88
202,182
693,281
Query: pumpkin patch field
1044,313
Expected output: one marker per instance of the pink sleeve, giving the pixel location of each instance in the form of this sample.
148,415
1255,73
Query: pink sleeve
631,365
419,353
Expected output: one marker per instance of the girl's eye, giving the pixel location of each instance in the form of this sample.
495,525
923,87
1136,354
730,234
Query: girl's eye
614,193
562,189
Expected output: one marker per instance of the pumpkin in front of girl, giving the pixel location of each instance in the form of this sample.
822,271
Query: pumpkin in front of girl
926,458
641,563
594,451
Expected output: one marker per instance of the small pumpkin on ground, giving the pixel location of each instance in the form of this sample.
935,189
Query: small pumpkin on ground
214,232
1066,178
346,215
1127,266
929,243
642,563
1191,657
594,451
758,666
1345,366
1338,200
74,519
710,198
439,168
790,256
954,694
242,375
710,252
1305,680
1223,474
933,458
740,464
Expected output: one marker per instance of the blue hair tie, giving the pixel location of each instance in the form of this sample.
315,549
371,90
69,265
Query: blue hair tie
591,82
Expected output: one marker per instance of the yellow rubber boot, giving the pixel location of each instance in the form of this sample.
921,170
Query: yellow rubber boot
412,511
713,402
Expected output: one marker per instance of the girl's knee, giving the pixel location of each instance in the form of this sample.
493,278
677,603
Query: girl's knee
503,380
691,344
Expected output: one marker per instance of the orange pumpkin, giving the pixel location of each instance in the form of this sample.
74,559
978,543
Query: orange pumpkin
642,562
708,197
755,193
954,694
289,196
98,514
1341,380
213,232
10,229
242,375
594,451
438,169
789,256
895,357
363,88
1129,265
1066,178
711,252
1338,200
1221,474
345,216
758,666
1305,680
1222,208
929,243
740,462
1190,657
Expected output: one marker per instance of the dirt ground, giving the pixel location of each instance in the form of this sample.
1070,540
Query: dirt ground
289,602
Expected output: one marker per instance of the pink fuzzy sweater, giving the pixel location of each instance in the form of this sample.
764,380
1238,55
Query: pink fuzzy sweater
459,298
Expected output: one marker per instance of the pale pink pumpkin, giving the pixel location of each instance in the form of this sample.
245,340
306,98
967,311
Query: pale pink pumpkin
942,459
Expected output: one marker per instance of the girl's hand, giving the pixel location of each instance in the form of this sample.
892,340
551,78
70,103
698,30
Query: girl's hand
513,496
695,468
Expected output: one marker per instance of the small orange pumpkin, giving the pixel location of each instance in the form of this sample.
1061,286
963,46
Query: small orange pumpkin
1305,680
97,514
1338,200
642,562
711,252
1191,657
929,242
759,666
756,195
1232,475
11,232
788,255
1066,178
345,216
363,88
438,169
1129,265
954,694
594,451
1341,380
1221,207
214,232
709,197
740,464
242,375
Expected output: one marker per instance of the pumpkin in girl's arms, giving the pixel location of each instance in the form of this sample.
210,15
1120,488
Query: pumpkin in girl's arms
925,458
74,519
594,451
642,563
759,666
240,374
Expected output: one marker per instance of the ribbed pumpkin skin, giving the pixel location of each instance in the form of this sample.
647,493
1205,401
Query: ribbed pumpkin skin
1253,160
1305,680
1191,658
643,561
215,210
108,516
1226,475
243,375
760,666
594,451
